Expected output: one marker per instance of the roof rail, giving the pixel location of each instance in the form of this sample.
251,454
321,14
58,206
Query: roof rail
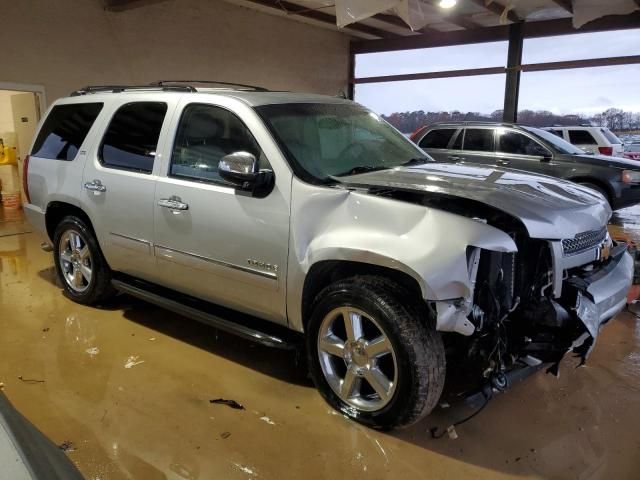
121,88
473,122
163,83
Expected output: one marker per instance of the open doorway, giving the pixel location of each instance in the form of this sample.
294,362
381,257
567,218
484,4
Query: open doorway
20,111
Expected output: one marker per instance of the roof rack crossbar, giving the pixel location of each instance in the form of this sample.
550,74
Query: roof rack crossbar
161,83
121,88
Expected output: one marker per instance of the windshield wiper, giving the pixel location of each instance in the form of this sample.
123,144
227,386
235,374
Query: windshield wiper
415,161
361,169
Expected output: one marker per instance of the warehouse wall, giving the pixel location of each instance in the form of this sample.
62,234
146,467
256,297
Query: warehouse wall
65,44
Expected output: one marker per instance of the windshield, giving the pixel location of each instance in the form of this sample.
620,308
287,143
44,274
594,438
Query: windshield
555,142
326,140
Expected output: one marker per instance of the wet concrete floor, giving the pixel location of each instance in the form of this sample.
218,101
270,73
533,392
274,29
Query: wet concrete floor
128,387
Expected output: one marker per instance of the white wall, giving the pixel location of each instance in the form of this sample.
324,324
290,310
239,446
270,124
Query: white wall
65,44
6,115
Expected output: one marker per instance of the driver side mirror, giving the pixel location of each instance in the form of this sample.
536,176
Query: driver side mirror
241,169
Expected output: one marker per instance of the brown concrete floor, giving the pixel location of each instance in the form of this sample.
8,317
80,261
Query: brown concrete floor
154,420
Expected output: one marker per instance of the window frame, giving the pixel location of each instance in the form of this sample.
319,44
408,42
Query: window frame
167,115
520,155
206,181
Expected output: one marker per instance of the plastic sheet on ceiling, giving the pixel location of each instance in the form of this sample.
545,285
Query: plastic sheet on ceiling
414,13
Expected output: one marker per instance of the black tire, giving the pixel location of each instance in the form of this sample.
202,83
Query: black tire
410,328
598,189
99,288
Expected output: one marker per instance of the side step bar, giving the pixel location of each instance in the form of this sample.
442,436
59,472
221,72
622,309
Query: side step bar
244,326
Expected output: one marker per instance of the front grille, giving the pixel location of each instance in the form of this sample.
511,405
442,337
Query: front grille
583,241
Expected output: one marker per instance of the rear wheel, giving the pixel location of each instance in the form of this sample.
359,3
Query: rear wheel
81,268
374,356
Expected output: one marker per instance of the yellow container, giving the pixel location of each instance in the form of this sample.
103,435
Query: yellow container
9,156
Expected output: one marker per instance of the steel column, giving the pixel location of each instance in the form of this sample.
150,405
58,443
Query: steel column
514,67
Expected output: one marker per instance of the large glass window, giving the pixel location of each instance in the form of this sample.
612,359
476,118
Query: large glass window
131,139
206,134
64,130
581,137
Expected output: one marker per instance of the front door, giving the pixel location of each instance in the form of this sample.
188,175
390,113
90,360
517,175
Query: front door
119,182
517,150
213,241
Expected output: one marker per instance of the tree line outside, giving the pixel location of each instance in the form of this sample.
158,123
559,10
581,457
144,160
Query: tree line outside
615,119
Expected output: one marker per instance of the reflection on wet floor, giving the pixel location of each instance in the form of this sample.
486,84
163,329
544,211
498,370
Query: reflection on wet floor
127,387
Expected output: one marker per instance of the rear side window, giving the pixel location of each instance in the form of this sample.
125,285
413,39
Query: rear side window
64,130
437,138
610,136
478,139
131,140
581,137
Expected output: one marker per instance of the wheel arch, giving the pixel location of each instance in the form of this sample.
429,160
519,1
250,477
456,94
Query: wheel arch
325,272
57,210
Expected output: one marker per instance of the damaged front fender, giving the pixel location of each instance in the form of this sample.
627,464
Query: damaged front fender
428,244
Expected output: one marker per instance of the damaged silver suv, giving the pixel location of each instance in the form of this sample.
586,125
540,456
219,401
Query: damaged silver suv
285,217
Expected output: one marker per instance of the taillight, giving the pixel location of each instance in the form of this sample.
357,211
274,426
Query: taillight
25,181
605,150
416,133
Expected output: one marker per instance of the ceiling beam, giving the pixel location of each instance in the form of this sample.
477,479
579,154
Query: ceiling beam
122,5
567,4
293,9
546,28
497,8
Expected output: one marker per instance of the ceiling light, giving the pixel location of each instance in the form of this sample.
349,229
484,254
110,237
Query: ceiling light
447,3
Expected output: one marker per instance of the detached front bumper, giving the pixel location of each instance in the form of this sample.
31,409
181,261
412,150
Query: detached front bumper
602,292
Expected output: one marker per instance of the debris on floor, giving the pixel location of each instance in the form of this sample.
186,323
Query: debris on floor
267,420
247,470
67,446
230,403
132,361
93,351
225,435
29,380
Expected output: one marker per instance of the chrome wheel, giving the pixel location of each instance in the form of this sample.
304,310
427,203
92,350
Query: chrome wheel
75,260
357,358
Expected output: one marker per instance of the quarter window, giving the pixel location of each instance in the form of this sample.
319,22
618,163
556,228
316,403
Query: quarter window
518,144
64,130
478,139
131,140
581,137
207,133
437,138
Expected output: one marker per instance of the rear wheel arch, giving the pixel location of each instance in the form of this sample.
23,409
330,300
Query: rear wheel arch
57,210
326,272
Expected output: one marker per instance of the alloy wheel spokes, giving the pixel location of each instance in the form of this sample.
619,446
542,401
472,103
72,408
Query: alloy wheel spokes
75,261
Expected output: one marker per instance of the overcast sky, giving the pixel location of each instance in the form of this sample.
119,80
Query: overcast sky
586,91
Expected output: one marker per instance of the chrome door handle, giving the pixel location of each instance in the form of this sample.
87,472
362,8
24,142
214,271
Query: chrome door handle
455,158
95,186
173,203
503,162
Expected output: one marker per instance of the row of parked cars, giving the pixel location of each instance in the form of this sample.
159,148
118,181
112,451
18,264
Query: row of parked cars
554,151
308,222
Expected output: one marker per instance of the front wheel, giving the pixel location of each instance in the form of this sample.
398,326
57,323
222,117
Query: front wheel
373,354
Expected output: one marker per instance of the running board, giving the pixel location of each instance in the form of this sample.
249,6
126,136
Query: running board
245,326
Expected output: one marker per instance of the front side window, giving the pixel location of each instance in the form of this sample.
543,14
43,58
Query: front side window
518,144
64,130
131,139
207,133
437,138
326,140
581,137
478,139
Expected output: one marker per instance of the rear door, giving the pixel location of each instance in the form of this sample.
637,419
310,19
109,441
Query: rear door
477,146
119,182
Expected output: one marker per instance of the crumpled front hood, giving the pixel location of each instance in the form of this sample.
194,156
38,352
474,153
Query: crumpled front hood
548,207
